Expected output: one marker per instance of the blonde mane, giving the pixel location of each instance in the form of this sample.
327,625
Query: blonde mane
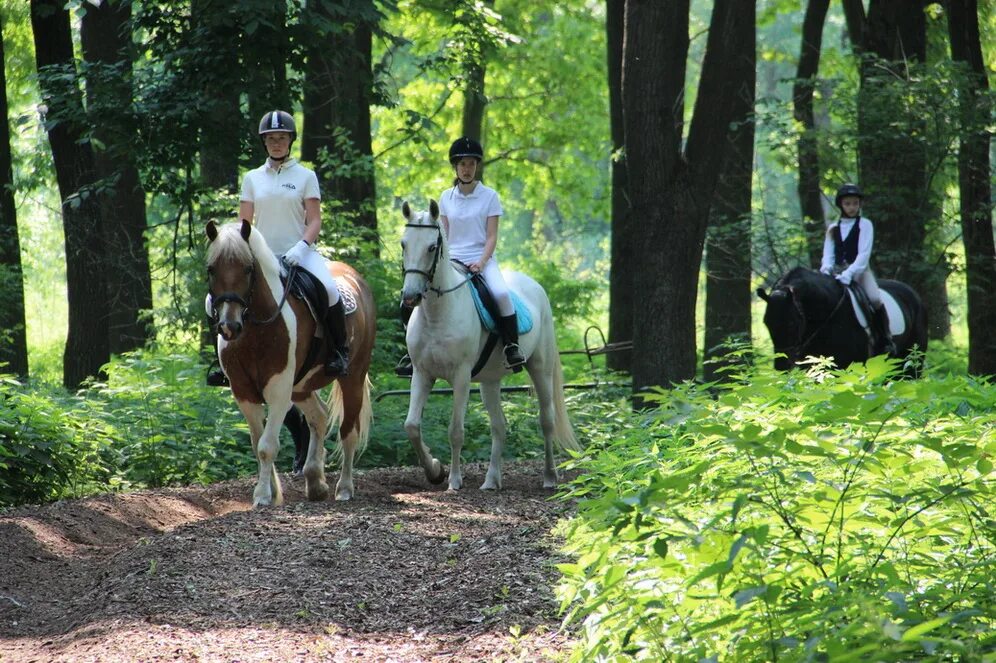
230,245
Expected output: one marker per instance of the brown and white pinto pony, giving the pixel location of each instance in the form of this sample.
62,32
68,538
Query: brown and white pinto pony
263,342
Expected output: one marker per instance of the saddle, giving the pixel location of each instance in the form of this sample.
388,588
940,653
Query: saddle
487,307
305,286
865,314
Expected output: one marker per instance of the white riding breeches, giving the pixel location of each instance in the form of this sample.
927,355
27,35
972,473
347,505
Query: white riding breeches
314,263
868,283
499,289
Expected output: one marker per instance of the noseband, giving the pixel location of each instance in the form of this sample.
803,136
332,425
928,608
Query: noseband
431,274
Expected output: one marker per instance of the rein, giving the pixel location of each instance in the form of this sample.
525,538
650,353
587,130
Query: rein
431,274
804,344
283,298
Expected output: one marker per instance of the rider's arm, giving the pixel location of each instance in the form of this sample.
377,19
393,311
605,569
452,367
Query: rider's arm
312,220
826,266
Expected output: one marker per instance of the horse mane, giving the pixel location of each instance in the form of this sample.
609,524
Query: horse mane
230,244
809,280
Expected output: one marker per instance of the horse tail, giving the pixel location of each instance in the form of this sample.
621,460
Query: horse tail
563,432
364,419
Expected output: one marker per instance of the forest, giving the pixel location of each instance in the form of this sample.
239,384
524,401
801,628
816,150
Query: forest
658,162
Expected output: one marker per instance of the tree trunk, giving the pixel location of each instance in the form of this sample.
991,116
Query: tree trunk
892,155
106,42
87,346
337,95
728,239
670,190
265,54
974,179
13,339
621,295
810,201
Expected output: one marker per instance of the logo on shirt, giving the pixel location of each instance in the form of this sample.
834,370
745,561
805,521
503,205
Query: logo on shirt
288,185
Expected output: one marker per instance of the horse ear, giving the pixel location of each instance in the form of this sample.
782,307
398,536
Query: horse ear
246,230
406,210
433,209
212,231
762,294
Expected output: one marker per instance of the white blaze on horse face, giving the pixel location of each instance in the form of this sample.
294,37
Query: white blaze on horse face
420,247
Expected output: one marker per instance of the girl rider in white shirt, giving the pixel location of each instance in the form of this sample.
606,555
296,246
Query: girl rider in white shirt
846,254
282,199
469,213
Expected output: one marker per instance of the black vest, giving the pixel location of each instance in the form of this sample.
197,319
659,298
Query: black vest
846,251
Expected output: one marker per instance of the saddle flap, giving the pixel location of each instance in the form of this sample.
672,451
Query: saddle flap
897,322
487,308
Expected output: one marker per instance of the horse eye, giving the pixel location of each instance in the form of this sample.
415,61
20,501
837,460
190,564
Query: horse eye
210,272
248,271
432,249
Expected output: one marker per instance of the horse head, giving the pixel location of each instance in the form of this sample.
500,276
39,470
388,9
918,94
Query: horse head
231,275
423,248
786,324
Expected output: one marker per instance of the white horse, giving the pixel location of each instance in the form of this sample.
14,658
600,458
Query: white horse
445,338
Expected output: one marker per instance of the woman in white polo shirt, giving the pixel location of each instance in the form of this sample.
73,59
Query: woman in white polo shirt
469,212
282,199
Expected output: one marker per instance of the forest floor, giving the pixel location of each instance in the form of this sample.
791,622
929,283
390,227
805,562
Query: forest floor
404,572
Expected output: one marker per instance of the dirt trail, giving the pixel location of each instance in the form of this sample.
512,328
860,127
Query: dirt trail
406,572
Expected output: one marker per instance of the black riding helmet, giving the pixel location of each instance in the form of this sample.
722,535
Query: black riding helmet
847,190
277,120
465,147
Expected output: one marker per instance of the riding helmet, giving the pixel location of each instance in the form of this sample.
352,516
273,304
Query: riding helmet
465,147
848,190
277,120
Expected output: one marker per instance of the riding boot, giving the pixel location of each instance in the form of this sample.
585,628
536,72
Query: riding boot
337,362
885,343
508,327
404,369
215,376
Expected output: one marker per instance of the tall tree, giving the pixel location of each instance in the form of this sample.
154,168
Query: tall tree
622,298
802,106
728,245
107,48
893,154
671,187
266,53
13,339
337,95
975,186
87,344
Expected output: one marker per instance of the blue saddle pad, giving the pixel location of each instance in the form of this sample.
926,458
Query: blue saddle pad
522,316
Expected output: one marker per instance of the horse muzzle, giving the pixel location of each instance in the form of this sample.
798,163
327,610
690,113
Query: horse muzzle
230,329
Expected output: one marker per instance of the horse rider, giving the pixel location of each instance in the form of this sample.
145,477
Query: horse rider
847,251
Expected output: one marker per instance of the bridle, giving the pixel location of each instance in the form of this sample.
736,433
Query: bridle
431,274
236,298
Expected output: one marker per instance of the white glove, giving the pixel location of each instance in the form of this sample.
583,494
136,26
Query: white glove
297,253
844,278
827,270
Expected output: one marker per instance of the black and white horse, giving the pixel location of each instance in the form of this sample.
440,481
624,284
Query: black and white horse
811,314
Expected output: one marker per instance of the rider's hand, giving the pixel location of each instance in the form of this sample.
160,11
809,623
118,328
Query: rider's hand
844,278
475,267
297,253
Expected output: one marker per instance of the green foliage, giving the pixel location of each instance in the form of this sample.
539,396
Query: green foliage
790,517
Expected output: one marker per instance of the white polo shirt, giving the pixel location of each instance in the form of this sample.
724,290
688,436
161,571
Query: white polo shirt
468,219
278,192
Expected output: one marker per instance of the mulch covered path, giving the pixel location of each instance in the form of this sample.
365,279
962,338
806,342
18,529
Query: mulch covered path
404,572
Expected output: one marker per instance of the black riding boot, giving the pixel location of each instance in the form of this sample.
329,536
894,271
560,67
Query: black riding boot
404,368
508,327
885,344
337,362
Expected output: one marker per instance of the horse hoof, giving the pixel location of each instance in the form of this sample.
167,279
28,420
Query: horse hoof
343,496
490,484
319,492
436,474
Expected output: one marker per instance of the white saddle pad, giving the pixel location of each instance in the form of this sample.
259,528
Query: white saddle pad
897,322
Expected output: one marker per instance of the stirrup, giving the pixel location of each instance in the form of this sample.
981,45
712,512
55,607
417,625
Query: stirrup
338,364
404,369
513,357
216,377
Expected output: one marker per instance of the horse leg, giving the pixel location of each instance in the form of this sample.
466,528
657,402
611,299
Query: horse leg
539,373
461,394
354,399
315,486
491,396
421,386
265,442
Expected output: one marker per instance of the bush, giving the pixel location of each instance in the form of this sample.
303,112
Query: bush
790,518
